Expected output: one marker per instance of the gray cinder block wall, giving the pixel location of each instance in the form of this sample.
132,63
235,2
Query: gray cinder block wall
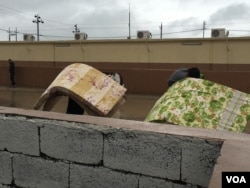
44,153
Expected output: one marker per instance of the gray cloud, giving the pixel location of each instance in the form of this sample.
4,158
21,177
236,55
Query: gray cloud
97,18
109,18
184,28
233,18
232,12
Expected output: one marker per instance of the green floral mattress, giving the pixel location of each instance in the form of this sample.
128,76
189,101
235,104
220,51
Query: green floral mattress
201,103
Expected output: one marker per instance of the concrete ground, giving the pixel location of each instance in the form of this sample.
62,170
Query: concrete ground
136,107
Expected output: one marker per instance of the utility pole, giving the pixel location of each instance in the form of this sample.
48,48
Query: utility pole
129,28
16,34
77,30
12,33
204,27
9,33
161,30
37,21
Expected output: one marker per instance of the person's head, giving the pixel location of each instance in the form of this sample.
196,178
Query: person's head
193,72
9,60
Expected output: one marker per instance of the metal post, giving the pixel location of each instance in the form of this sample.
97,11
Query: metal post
9,34
204,27
16,34
129,27
37,21
161,30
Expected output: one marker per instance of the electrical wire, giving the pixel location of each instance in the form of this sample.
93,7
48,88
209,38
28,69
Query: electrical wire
12,12
54,25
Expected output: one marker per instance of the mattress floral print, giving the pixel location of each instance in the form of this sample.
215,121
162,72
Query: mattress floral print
90,88
202,103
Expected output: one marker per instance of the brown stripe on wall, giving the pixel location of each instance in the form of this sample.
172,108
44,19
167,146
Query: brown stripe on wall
139,78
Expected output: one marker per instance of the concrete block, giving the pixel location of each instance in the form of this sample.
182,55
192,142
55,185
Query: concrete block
149,153
5,168
40,173
71,143
19,136
198,160
145,182
176,185
96,177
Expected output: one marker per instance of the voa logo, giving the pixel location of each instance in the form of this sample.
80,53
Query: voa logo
236,179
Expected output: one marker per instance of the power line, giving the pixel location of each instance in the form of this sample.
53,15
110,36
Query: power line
240,30
185,31
4,30
55,36
12,12
54,25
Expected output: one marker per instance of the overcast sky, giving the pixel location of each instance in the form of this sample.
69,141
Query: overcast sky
108,19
